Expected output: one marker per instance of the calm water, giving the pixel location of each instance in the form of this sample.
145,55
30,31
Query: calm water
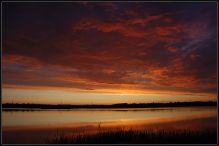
28,123
45,117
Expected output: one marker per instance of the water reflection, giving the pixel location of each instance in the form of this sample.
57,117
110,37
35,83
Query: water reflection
45,117
34,126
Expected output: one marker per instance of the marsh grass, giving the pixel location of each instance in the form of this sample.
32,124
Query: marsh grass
130,136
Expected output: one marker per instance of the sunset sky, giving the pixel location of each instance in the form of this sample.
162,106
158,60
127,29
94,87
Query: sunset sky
103,53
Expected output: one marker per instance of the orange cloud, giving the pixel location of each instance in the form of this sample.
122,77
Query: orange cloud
118,50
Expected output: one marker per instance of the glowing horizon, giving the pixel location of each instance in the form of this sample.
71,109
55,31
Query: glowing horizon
109,52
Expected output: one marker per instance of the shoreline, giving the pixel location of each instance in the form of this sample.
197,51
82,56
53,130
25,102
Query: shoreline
18,106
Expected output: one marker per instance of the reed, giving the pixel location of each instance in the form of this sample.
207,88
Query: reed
122,136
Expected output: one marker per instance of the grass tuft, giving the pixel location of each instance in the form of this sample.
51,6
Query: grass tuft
122,136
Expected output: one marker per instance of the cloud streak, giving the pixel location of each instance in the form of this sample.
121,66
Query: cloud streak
110,48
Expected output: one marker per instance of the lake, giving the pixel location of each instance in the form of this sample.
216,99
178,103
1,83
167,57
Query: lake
35,126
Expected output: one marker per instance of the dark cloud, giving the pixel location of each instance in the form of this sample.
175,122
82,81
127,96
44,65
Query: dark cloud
143,46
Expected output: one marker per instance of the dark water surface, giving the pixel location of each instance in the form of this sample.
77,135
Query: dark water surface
35,126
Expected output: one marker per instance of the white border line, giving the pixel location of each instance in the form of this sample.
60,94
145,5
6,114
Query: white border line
1,72
114,2
217,73
110,1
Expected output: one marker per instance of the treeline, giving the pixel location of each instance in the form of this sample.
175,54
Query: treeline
120,105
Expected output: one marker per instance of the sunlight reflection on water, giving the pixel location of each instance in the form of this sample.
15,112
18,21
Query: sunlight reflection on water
34,126
50,117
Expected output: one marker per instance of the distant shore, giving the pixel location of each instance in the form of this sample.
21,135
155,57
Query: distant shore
11,106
